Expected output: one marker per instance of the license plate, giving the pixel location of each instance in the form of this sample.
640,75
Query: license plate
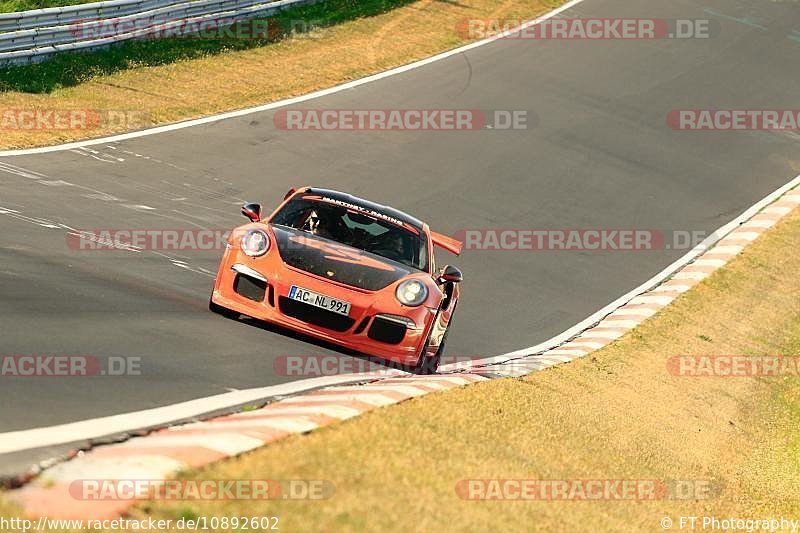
319,300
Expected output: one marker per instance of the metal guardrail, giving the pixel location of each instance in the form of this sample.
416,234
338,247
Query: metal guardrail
34,36
55,16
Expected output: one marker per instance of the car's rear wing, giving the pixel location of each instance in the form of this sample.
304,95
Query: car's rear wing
448,243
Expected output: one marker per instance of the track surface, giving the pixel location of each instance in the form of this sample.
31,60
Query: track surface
601,156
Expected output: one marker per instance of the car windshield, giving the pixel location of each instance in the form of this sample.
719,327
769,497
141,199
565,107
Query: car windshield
358,228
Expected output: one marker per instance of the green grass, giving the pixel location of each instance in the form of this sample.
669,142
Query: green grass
68,70
175,80
9,6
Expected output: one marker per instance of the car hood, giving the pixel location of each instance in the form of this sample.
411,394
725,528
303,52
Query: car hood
337,262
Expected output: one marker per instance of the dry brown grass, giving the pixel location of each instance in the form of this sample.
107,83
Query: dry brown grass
193,88
617,414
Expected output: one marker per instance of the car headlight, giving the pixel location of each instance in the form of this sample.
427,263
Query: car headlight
411,292
255,243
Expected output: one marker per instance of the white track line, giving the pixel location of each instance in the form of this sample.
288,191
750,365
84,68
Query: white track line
99,427
655,280
27,439
289,101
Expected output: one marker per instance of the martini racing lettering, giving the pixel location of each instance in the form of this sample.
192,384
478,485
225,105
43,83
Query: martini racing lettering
360,209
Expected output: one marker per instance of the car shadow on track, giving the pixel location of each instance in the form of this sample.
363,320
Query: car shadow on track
364,362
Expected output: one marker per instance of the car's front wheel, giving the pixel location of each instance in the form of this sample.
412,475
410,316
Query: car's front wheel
429,364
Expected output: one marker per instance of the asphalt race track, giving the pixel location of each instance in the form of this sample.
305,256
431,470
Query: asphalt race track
600,155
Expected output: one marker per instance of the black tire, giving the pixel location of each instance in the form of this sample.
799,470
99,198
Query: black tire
224,311
430,365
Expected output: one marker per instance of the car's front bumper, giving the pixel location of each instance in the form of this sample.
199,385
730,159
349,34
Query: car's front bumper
372,316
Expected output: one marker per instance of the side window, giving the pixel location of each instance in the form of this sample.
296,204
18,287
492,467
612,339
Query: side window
429,262
423,252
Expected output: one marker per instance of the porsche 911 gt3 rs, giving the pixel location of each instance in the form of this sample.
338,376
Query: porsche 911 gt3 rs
344,270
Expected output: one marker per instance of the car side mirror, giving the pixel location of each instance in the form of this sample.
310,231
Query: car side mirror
451,274
252,211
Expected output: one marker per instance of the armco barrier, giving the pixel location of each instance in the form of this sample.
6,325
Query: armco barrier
33,36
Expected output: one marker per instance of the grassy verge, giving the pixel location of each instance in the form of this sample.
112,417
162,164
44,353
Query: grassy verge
69,70
175,79
616,414
9,6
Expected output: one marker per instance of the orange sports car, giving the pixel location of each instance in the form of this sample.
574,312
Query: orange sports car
343,269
